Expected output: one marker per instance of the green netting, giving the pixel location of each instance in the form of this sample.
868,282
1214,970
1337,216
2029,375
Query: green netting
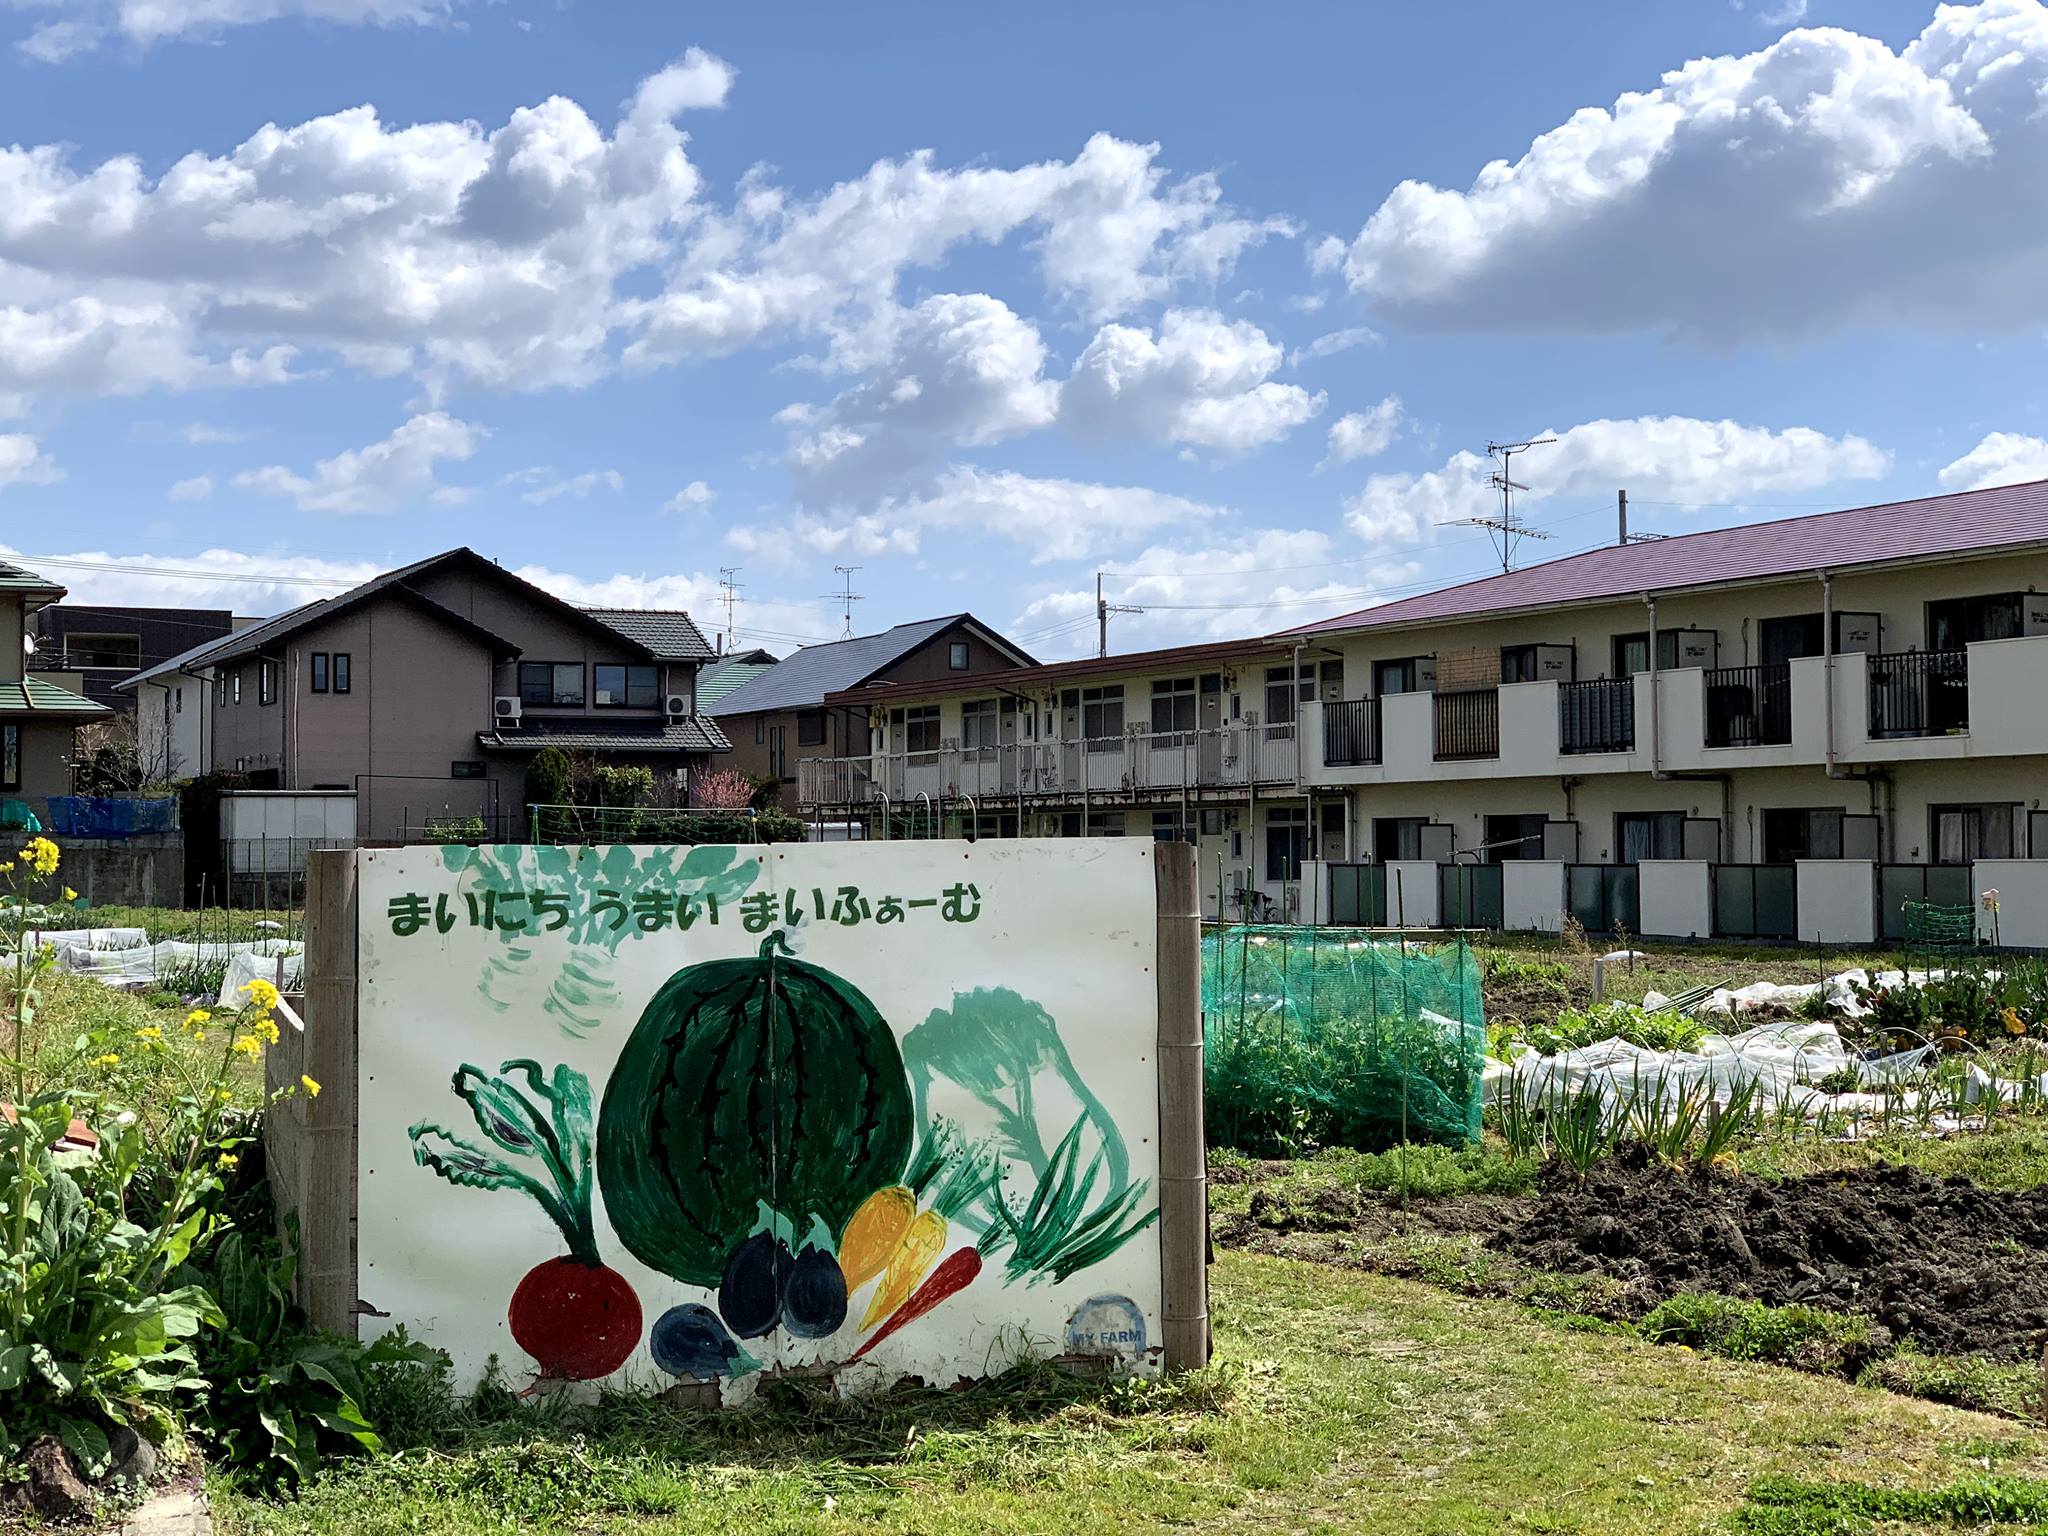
1339,1037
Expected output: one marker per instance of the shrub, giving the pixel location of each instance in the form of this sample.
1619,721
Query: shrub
547,777
724,789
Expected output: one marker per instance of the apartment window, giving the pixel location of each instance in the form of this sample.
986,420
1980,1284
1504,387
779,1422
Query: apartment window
316,672
123,651
1966,832
1102,717
921,729
466,768
10,757
1955,622
1640,835
1801,834
956,656
1173,708
619,687
557,683
1402,676
1286,841
235,687
979,730
1632,652
1397,837
1518,664
1332,674
1513,837
341,671
1167,827
1279,695
810,728
266,682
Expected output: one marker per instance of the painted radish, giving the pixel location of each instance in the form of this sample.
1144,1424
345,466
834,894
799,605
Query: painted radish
576,1317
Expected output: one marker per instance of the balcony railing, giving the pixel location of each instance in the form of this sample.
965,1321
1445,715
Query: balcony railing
1139,760
1598,715
1467,724
1919,693
1749,706
1351,733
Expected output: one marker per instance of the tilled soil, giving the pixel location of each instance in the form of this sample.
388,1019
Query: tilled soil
1941,1263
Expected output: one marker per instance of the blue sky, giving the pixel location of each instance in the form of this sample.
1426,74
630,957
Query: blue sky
1223,302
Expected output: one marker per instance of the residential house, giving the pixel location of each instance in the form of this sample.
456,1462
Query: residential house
103,646
173,706
781,718
721,677
37,716
427,690
1196,743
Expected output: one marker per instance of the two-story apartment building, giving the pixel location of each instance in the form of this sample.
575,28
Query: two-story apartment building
103,646
780,718
427,690
37,717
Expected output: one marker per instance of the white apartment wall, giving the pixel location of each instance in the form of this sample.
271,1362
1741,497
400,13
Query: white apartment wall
2022,886
1676,898
1837,901
1532,896
1413,894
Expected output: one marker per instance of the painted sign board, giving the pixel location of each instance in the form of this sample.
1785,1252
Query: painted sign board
661,1114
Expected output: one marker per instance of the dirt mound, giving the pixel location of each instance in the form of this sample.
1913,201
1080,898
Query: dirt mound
1941,1263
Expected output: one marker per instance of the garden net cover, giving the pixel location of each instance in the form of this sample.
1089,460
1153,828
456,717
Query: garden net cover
1339,1037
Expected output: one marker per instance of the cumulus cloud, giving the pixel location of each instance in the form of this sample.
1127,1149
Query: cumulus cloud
23,462
83,25
692,497
1203,381
1661,458
2002,458
1819,183
198,488
387,475
544,485
1361,434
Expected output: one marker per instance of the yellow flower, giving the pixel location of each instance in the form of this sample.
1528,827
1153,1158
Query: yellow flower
261,993
70,894
312,1088
264,1028
108,1060
41,855
196,1022
7,868
229,1160
2012,1022
150,1033
248,1046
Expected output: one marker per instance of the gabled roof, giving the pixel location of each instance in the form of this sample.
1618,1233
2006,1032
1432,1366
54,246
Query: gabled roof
26,583
33,696
669,633
691,734
801,680
729,672
1022,679
1932,527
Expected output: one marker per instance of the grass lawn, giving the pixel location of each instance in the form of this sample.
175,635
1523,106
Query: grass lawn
1343,1402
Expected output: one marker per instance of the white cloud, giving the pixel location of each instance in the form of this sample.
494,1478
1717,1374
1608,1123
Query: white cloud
2002,458
692,497
204,434
86,24
23,462
198,488
1820,183
962,370
545,485
1660,458
1333,342
1204,381
247,583
1789,14
383,477
1051,518
1361,434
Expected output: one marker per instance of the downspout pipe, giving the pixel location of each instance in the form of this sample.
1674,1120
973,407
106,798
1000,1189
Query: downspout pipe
1656,697
1827,651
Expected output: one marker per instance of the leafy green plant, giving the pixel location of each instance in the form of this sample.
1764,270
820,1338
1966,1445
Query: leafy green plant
1662,1029
547,777
454,829
1812,1338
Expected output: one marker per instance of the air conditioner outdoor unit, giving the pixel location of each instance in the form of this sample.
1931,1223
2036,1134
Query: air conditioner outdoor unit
505,709
677,706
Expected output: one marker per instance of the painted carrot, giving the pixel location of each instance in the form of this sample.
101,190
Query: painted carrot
873,1232
955,1274
922,1243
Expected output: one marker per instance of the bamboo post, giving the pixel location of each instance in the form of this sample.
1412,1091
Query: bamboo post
327,1208
1183,1151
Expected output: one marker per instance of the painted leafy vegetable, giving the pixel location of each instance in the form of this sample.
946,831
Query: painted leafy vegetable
578,1318
749,1084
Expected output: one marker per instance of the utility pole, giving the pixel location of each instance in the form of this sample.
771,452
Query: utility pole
1506,530
728,593
1633,538
1102,612
846,596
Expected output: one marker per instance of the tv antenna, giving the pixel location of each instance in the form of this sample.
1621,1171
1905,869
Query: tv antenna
846,597
1507,530
728,594
1102,612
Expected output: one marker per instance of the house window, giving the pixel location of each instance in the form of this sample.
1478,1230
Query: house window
178,700
921,729
778,751
266,682
1173,709
1955,622
1966,832
979,730
1790,835
1397,837
10,757
1632,652
235,687
316,672
956,656
1640,835
341,671
760,729
810,728
1102,717
466,768
618,687
1286,841
557,683
1279,695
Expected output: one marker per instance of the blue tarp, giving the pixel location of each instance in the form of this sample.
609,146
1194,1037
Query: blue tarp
91,816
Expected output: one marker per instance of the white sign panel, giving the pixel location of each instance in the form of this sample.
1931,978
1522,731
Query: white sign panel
659,1114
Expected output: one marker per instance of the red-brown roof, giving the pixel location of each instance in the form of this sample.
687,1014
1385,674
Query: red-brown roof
1931,527
1015,678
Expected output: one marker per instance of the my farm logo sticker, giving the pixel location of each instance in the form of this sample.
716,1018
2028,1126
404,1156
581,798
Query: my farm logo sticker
1106,1325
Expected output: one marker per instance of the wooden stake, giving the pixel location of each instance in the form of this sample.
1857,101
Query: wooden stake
1183,1150
327,1204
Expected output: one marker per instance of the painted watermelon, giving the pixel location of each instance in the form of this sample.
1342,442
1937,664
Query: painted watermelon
748,1084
